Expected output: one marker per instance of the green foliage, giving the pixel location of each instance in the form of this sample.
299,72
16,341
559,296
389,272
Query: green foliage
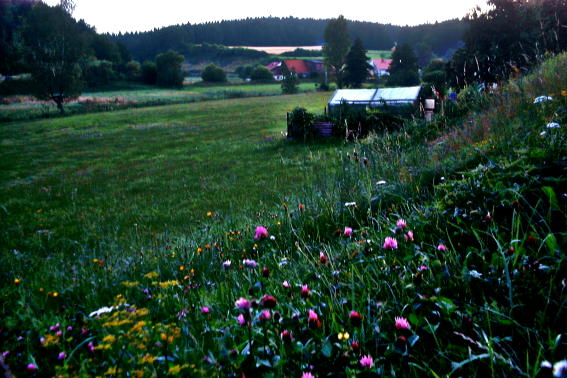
300,123
357,67
149,73
290,83
133,70
244,72
213,74
336,47
168,66
97,73
404,69
261,73
434,75
55,43
508,38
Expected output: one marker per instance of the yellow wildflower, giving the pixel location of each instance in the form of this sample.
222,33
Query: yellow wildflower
103,346
138,373
137,327
168,284
130,283
199,250
209,213
182,268
55,294
17,281
147,359
116,323
343,336
174,370
151,275
109,339
110,371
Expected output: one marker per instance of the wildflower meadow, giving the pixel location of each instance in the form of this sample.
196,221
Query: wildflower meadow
435,250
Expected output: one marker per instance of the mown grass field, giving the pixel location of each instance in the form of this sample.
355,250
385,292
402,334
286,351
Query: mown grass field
160,168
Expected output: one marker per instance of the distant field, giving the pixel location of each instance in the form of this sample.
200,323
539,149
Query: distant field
279,49
22,108
150,170
372,54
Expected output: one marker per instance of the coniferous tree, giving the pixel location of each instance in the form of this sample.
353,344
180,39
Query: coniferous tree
404,70
357,66
335,49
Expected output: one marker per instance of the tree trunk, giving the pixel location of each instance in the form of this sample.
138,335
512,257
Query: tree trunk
59,101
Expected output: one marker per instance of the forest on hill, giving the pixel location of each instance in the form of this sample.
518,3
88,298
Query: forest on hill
439,38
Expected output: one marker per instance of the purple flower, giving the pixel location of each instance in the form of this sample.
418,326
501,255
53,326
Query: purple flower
241,319
242,304
305,291
205,310
347,232
31,367
367,362
307,375
390,243
402,323
286,284
286,336
442,247
250,263
401,223
265,315
409,236
226,264
62,356
261,233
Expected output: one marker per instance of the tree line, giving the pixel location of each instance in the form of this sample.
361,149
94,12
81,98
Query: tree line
439,38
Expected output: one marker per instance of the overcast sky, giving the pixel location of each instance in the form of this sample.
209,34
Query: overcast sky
139,15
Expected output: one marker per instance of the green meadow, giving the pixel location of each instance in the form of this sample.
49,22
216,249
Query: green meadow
159,168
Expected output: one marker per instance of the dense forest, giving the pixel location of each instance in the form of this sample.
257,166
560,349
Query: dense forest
440,38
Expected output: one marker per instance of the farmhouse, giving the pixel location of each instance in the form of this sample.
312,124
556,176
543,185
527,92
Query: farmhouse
301,67
380,67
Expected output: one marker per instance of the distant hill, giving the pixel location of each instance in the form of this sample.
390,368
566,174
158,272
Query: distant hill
439,38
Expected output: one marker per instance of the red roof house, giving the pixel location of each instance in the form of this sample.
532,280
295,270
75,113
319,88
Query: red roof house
381,66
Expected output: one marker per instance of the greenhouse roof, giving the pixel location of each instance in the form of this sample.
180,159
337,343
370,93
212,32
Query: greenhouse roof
400,95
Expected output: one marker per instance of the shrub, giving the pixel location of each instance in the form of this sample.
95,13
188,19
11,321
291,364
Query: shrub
149,73
213,74
168,67
261,73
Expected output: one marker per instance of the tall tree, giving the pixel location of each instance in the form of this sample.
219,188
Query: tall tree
404,70
512,35
169,72
357,66
12,15
335,49
54,43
